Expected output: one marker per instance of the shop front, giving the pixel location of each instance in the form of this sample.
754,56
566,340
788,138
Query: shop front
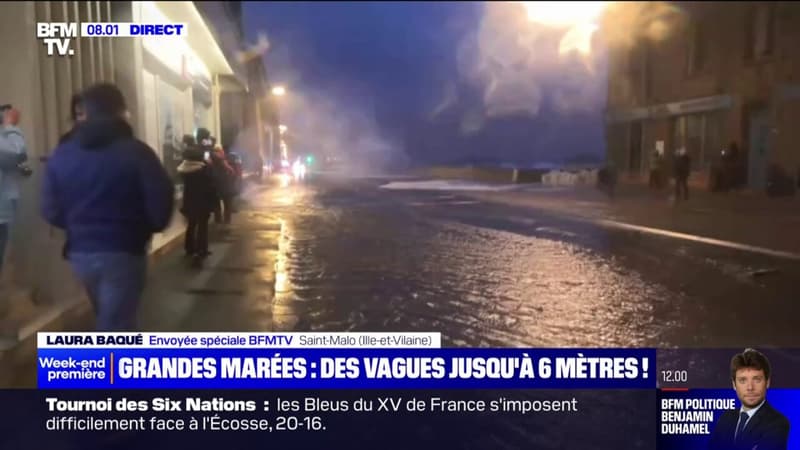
177,88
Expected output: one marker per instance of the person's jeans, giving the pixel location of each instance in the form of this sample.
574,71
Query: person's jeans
4,232
196,239
115,283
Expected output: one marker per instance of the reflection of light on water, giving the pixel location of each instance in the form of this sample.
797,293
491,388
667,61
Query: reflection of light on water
282,283
284,313
284,179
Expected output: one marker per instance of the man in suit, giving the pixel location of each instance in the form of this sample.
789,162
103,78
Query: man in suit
756,425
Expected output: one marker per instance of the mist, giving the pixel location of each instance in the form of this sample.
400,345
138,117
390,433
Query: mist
441,83
340,123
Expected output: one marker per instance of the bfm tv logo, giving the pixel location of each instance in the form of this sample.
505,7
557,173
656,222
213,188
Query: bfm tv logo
57,37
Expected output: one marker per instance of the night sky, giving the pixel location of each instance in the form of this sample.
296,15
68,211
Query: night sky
391,70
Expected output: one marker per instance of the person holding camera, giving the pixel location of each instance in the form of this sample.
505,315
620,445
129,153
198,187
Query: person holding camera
13,155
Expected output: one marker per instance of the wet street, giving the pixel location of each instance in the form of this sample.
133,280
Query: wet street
351,256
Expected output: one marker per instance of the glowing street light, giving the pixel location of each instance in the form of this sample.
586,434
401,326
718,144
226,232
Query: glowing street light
282,128
279,91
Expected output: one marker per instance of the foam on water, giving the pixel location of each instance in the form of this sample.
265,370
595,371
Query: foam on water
448,185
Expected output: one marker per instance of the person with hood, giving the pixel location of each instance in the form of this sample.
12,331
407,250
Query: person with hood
13,152
110,193
199,196
77,116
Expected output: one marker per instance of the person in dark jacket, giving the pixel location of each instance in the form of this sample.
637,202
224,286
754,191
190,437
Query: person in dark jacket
77,116
225,182
682,170
110,193
199,196
756,424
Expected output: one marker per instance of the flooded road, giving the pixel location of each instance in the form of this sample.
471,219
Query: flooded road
355,257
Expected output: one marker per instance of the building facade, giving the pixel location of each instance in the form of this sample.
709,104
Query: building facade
725,73
171,84
249,117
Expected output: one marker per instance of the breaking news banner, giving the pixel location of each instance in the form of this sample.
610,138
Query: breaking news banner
395,390
59,37
251,360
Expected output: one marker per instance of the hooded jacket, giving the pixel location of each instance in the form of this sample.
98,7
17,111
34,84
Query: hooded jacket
107,190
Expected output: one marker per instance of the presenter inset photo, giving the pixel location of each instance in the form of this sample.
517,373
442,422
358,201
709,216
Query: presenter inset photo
756,425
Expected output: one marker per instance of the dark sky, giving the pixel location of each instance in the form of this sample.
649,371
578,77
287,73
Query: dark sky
395,62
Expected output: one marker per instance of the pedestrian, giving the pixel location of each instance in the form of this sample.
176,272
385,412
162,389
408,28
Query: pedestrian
77,116
607,179
225,183
13,154
682,170
199,197
656,171
110,193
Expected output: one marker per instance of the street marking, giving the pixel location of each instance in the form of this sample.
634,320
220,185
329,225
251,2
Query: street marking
691,237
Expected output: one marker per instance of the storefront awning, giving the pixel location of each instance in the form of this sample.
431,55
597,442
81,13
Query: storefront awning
691,106
198,36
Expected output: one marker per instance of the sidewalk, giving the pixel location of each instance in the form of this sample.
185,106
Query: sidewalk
750,219
233,290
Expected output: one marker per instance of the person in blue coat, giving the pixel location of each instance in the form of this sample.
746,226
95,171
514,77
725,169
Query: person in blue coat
13,152
110,193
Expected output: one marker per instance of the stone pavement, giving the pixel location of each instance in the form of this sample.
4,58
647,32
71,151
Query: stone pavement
749,219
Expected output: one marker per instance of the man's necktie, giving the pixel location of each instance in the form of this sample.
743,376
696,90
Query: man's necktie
742,422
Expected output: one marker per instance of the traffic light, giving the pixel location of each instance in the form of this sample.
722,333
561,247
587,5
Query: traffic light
309,159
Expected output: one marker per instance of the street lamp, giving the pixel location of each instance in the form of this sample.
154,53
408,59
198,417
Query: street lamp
279,91
282,128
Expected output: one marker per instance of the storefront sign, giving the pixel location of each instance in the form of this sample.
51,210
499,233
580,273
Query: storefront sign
672,109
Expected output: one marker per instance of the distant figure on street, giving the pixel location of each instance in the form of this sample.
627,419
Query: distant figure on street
657,171
225,183
110,193
199,197
732,166
682,170
607,180
13,153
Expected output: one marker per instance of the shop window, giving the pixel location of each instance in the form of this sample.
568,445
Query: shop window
701,136
170,126
694,139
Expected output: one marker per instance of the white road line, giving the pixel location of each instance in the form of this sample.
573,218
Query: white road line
691,237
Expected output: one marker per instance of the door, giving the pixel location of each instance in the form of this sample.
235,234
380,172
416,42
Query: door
635,148
758,156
